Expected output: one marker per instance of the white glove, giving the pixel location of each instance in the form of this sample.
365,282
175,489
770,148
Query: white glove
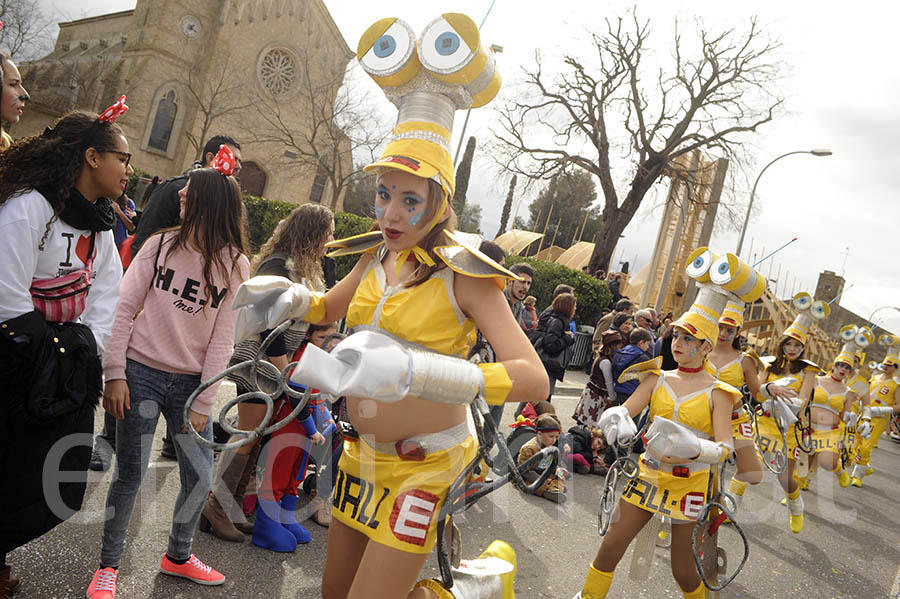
783,412
668,439
267,301
851,418
782,382
617,426
864,429
373,365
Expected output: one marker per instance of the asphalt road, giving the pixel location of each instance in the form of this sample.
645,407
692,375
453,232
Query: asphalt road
849,547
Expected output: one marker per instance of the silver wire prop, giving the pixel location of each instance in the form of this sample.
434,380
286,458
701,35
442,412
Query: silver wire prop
624,467
778,460
254,365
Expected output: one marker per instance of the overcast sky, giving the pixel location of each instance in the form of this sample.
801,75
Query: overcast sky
841,86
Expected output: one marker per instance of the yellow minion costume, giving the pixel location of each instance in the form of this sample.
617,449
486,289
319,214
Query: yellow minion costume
732,373
855,339
882,399
392,492
680,491
808,311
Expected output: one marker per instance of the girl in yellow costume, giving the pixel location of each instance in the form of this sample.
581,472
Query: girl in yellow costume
730,365
884,401
690,430
786,379
831,400
412,301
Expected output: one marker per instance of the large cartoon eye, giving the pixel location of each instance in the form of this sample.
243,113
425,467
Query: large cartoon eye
820,310
847,332
387,52
887,340
723,270
699,263
873,365
802,301
862,340
448,44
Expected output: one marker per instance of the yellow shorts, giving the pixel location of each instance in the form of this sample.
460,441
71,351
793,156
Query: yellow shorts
741,427
827,440
770,438
394,501
664,493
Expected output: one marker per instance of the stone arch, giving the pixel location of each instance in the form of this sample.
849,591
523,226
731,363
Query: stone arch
165,120
253,178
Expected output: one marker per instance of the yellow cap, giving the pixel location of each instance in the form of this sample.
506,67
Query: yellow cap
809,311
702,318
733,315
420,148
890,342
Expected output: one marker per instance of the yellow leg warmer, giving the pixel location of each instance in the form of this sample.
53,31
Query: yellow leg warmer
698,593
737,487
596,585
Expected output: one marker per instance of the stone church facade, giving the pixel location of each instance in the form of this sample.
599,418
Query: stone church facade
192,69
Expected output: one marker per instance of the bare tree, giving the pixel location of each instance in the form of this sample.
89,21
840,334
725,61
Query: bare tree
343,128
214,90
709,95
26,32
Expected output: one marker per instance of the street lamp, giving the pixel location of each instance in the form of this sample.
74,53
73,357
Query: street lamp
816,152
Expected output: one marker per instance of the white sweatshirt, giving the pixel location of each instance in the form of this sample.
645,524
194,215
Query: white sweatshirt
23,220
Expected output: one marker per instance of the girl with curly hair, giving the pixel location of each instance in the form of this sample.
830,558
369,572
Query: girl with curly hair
59,285
294,251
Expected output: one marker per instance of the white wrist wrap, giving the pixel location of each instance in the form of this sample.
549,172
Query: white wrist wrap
880,411
712,452
444,379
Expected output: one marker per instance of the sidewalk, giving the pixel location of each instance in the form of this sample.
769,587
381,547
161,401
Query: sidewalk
573,383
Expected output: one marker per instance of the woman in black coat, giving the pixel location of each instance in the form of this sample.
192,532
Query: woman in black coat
555,339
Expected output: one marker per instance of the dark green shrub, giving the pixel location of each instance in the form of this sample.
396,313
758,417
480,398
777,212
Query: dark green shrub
592,293
262,217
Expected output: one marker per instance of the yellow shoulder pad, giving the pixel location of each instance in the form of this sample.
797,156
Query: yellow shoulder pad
760,364
736,395
642,370
357,244
466,260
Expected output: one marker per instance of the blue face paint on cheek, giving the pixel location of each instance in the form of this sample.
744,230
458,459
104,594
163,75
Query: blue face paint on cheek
379,211
693,352
416,218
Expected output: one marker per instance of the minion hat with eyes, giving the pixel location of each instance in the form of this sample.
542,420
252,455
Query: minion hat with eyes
809,311
891,343
448,69
855,339
721,280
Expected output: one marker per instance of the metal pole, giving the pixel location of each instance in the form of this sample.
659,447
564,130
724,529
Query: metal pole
753,193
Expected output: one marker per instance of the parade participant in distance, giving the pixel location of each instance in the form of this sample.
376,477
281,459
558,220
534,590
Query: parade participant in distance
785,380
690,430
730,365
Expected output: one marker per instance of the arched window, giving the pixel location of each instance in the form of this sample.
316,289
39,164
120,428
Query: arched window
253,178
166,111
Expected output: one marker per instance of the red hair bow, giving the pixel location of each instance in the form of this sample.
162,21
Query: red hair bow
113,112
224,162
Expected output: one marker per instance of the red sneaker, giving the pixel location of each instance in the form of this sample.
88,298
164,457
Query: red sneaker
193,569
103,584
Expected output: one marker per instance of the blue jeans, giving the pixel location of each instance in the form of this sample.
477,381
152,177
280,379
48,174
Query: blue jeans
153,391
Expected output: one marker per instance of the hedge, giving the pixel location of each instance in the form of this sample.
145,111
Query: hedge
346,225
592,293
262,217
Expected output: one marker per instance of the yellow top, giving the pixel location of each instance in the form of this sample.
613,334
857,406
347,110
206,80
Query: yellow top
730,374
881,391
859,385
693,410
426,314
796,379
833,402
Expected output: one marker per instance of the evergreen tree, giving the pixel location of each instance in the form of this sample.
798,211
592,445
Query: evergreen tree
463,170
504,217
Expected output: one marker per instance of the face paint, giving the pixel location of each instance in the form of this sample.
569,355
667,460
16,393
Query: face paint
379,211
414,206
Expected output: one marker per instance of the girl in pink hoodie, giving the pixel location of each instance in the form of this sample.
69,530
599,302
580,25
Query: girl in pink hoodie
174,327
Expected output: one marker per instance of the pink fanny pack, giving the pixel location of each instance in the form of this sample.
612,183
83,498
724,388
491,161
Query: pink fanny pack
63,299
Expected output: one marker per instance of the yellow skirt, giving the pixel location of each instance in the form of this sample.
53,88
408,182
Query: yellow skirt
770,438
828,440
741,427
394,501
663,493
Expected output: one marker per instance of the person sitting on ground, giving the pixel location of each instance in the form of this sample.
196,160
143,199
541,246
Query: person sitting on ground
591,454
548,430
635,352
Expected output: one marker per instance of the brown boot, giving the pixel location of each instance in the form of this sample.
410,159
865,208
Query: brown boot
321,512
249,473
214,518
